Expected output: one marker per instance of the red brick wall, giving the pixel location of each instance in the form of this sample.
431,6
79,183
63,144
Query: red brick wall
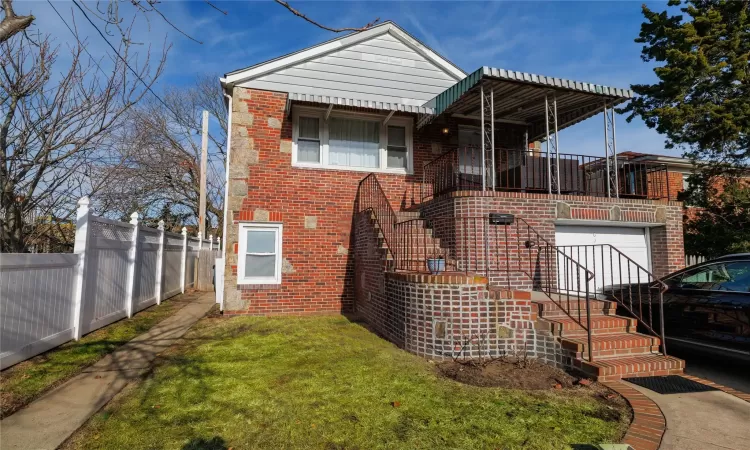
516,267
315,205
263,186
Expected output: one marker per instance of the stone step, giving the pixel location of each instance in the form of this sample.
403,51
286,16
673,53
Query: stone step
609,345
609,369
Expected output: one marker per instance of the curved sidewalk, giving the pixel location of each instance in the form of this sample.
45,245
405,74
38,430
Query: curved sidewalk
52,418
715,420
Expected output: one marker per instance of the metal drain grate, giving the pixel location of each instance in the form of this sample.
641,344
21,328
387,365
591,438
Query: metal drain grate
670,384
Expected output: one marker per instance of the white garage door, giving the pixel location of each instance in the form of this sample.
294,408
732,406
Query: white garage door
583,243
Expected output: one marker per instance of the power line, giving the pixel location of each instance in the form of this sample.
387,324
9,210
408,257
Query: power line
146,85
76,36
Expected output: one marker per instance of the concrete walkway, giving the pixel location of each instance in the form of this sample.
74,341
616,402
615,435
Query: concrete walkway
702,420
51,419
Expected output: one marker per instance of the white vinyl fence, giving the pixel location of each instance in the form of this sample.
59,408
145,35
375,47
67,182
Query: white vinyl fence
116,270
694,259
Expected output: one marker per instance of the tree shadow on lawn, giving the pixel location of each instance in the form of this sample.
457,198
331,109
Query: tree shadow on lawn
215,443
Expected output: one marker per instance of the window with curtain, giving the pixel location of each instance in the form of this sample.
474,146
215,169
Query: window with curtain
347,140
353,142
308,141
397,151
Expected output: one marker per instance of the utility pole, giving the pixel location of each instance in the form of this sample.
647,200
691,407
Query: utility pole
204,169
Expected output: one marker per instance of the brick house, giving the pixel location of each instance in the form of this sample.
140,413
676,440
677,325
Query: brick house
354,162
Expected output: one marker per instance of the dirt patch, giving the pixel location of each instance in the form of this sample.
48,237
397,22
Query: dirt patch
507,373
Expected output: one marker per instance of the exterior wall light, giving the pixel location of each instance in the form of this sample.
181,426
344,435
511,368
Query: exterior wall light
446,130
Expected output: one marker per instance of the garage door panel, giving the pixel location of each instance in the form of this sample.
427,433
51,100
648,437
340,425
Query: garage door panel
590,246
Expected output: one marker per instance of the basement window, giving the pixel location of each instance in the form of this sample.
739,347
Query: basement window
348,140
259,253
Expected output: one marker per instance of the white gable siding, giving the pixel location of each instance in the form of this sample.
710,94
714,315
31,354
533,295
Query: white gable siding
380,69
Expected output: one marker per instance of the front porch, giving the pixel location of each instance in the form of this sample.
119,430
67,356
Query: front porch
529,170
507,139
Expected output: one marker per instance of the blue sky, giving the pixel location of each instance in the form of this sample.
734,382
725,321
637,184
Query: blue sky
585,41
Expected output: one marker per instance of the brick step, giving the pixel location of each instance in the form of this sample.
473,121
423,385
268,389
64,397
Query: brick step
609,369
609,345
568,327
403,216
572,306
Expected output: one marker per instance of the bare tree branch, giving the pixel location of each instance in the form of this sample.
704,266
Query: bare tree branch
56,128
11,23
161,175
317,24
216,7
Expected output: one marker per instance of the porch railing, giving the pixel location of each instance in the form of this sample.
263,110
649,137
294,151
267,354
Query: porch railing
527,171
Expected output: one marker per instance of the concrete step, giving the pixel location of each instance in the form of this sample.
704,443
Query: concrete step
609,369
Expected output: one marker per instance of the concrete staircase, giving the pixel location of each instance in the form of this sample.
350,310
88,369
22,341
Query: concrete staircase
618,350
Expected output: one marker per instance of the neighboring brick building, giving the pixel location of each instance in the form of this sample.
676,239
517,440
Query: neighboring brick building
309,231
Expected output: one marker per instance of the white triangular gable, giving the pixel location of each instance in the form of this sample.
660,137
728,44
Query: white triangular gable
383,64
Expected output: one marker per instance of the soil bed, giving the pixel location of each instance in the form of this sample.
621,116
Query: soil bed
507,373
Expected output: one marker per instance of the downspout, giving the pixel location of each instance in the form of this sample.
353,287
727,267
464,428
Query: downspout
226,192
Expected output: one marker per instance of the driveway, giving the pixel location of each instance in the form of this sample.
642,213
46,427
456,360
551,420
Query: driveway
731,373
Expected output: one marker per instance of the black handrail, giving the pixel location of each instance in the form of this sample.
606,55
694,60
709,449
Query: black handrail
372,198
638,298
572,278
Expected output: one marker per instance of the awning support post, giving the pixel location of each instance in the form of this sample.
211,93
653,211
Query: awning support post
492,132
553,156
488,137
610,149
481,107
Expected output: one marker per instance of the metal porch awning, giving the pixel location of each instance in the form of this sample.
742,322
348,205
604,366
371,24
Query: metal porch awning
359,103
520,97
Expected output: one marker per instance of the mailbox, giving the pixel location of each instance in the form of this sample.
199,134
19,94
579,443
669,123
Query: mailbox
501,219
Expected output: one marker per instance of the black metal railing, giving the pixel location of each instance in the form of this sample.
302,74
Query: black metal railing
622,279
511,252
372,199
530,171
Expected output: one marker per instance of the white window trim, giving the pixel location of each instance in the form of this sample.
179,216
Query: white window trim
320,113
242,251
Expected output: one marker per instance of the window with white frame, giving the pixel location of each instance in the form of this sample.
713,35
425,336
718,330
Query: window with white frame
353,141
259,253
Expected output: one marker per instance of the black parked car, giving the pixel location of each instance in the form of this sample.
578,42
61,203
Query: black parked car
707,307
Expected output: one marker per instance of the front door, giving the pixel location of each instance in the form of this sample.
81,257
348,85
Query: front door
470,153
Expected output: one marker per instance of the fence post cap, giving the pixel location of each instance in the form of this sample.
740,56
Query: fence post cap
134,218
161,225
184,231
84,201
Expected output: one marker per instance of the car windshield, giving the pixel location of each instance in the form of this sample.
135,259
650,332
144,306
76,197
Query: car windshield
724,276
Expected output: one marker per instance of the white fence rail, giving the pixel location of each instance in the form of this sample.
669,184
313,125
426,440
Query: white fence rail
694,259
116,270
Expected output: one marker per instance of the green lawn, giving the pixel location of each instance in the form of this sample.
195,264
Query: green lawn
26,381
328,383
